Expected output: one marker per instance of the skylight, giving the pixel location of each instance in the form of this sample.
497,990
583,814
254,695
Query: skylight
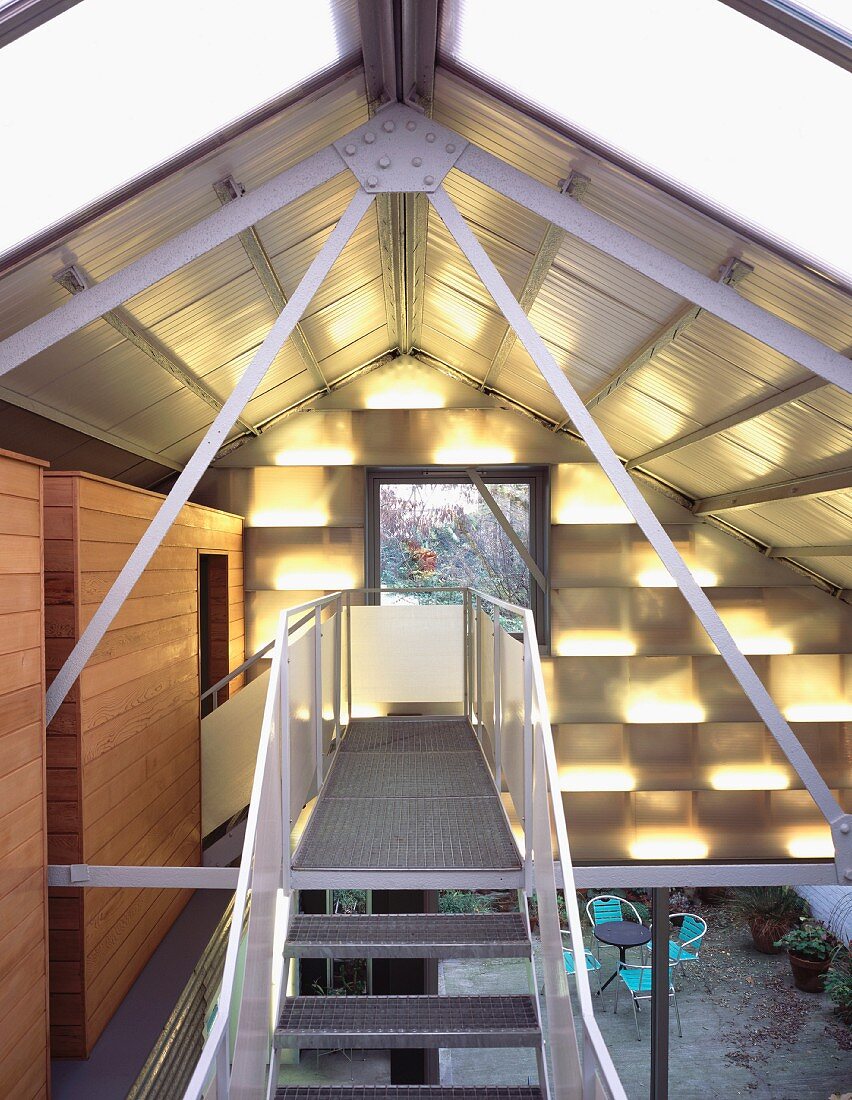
696,93
105,91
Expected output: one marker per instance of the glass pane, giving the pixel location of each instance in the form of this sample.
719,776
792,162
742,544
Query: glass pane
442,535
698,93
105,91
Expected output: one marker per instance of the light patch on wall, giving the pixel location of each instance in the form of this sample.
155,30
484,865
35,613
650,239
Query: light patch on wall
285,518
366,710
663,711
591,644
474,454
405,397
314,582
669,847
661,578
812,845
819,712
749,779
596,779
767,643
315,456
584,494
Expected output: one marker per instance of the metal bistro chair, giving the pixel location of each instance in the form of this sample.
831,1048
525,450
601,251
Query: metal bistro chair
686,946
592,963
606,908
638,980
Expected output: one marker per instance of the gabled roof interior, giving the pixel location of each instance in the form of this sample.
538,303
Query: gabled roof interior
653,369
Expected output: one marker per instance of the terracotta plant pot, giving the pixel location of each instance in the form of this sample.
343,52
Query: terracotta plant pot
809,974
764,936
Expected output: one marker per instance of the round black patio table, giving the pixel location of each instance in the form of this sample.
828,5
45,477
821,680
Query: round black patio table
621,934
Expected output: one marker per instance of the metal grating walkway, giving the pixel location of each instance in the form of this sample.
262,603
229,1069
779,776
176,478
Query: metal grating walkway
409,794
409,1092
414,935
408,1022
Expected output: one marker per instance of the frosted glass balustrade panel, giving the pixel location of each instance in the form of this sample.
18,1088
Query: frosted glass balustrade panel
512,720
303,755
404,654
486,672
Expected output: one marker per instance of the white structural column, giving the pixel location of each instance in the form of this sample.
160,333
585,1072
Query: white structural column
215,436
720,300
653,530
199,239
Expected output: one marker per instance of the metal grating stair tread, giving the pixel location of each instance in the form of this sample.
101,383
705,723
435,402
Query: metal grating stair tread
408,1092
409,935
408,1022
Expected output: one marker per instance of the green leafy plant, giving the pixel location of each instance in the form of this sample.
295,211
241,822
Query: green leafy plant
809,940
350,901
463,901
769,911
838,984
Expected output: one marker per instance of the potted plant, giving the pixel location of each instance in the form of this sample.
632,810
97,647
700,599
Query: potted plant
838,984
809,948
769,912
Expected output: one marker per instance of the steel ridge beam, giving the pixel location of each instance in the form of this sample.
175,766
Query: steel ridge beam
22,401
228,190
188,245
812,485
739,665
733,420
74,281
661,267
207,448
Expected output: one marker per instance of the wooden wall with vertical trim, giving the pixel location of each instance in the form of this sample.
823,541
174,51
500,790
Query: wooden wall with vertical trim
125,767
24,1054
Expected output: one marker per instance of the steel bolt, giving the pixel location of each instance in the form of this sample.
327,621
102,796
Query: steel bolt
451,148
417,161
428,180
844,828
411,124
848,874
349,150
388,127
430,137
369,137
384,162
373,181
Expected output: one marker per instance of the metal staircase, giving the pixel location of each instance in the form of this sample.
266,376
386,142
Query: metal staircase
420,802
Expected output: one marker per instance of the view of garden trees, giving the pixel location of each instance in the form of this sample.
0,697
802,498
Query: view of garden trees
439,534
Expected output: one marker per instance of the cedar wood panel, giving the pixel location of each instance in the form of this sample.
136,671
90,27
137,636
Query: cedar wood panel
124,770
24,1065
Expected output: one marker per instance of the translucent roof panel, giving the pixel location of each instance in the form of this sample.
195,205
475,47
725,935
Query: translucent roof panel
696,95
106,91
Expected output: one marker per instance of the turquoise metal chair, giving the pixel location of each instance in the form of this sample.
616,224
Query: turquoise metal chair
592,963
686,946
606,908
638,981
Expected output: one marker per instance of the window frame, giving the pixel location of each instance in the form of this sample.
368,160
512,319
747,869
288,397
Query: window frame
538,478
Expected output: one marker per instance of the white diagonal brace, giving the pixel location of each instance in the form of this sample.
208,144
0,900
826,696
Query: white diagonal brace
742,416
199,239
213,439
613,240
74,281
508,529
749,681
227,190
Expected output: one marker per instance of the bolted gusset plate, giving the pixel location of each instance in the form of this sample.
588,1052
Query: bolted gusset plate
400,149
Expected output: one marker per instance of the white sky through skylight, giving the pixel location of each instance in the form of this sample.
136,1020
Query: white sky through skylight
695,91
108,90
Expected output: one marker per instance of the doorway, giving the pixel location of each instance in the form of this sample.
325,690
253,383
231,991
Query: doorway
213,634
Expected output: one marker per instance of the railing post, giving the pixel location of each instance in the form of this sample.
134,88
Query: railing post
223,1061
528,763
589,1065
318,694
338,665
349,655
466,652
498,703
283,718
478,634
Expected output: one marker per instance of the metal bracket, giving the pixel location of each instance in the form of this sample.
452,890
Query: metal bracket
78,872
841,834
400,149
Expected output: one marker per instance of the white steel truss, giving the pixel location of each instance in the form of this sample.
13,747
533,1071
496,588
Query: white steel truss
402,151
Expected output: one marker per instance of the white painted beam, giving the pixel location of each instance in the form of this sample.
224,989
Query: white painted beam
620,244
814,485
154,878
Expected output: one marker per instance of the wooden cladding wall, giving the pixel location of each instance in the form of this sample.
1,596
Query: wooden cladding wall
123,751
23,876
